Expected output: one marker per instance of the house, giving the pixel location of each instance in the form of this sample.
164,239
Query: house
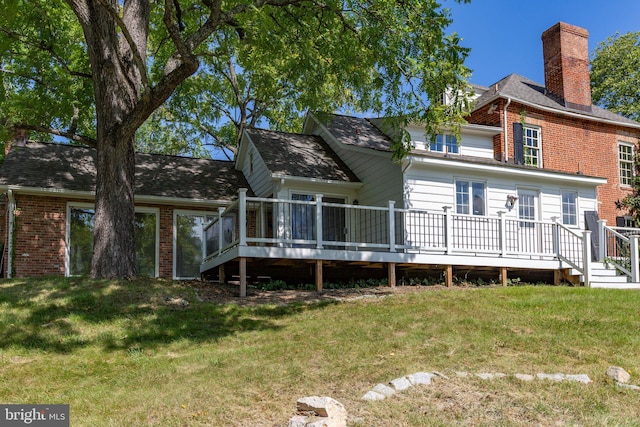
535,173
48,210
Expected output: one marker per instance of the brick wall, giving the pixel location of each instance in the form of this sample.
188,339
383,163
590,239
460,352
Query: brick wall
569,145
40,233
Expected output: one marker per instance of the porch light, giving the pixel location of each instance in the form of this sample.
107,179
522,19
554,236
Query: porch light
511,201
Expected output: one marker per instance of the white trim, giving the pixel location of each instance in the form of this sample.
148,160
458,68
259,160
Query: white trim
633,153
470,181
174,243
564,191
11,219
84,205
74,194
537,129
281,178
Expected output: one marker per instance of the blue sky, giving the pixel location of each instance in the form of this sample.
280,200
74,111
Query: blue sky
504,35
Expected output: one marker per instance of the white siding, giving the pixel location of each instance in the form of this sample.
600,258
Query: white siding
431,189
260,178
381,178
470,144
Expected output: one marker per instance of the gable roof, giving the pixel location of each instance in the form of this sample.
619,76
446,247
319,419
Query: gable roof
528,92
60,168
298,155
355,131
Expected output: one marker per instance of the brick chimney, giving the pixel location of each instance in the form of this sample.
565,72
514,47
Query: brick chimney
566,65
18,138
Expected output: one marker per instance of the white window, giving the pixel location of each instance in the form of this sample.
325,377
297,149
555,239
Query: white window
569,208
188,245
445,144
470,198
527,208
80,223
625,160
532,146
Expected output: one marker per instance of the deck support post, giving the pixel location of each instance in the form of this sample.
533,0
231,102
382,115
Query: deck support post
392,227
221,277
557,277
242,217
448,273
448,229
602,250
586,257
635,268
243,277
503,233
503,276
319,275
319,226
391,269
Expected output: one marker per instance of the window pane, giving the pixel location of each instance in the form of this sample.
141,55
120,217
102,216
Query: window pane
80,241
189,244
462,197
625,155
437,145
477,188
452,144
146,243
569,209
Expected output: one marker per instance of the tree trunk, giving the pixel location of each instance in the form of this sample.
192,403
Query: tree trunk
114,251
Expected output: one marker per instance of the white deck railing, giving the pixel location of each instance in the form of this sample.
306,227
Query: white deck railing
255,221
619,248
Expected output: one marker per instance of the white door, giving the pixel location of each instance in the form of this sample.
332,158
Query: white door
529,232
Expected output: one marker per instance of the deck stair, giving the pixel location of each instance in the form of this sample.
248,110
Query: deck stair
603,276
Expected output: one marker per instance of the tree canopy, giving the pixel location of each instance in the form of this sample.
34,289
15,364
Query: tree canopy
95,71
615,74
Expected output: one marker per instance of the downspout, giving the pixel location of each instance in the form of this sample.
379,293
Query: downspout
506,131
12,208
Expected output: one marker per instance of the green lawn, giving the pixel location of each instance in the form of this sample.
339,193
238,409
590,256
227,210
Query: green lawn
120,355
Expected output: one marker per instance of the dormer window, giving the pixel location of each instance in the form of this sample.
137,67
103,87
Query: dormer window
445,144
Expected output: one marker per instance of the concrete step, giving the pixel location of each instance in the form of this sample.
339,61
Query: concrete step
610,285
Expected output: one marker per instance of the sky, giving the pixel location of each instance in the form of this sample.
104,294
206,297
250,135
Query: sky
504,35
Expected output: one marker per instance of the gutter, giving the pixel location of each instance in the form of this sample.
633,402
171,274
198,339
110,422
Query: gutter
559,111
506,132
12,207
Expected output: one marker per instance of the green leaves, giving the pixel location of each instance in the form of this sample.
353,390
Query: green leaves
615,74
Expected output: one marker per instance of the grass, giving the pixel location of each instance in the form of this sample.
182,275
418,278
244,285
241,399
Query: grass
119,354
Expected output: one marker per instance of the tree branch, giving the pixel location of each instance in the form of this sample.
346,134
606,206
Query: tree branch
72,136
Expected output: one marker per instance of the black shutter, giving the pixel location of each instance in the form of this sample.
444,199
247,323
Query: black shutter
591,222
621,221
518,147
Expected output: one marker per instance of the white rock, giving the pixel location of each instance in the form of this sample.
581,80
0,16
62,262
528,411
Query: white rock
583,378
420,378
372,396
524,377
384,390
321,422
297,421
552,377
401,384
491,375
618,374
331,409
630,386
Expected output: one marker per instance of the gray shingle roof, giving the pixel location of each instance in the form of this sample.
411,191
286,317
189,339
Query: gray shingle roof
305,156
356,131
69,167
523,89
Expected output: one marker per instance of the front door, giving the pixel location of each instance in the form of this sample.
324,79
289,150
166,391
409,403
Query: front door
528,215
303,219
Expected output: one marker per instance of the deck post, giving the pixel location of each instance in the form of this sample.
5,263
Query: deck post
391,269
221,277
448,275
243,217
319,275
392,226
319,221
448,229
503,276
586,257
635,268
503,233
602,249
243,277
220,231
556,237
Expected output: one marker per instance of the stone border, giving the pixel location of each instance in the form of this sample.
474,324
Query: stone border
382,391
